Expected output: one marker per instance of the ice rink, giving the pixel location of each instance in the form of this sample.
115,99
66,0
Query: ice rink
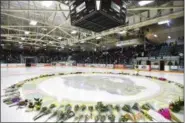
11,76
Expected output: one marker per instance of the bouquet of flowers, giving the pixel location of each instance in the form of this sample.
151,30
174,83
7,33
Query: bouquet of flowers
175,106
111,117
60,116
162,79
123,119
76,108
127,108
55,113
68,115
146,106
83,107
21,104
117,108
102,118
86,118
45,111
68,107
136,107
101,108
11,100
37,103
42,111
97,118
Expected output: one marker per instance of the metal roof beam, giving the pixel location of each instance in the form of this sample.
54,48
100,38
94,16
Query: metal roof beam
30,32
36,20
63,10
136,25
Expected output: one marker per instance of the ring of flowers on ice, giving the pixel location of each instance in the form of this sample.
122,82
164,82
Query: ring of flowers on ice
139,111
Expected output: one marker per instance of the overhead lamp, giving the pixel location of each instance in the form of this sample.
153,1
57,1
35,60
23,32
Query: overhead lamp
73,32
155,36
33,22
169,37
47,3
122,32
163,22
26,32
44,29
98,37
59,38
119,45
98,4
66,2
145,2
22,38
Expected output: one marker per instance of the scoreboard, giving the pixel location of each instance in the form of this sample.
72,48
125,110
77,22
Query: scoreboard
98,15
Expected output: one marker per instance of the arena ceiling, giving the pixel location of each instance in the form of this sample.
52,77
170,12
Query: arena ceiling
53,28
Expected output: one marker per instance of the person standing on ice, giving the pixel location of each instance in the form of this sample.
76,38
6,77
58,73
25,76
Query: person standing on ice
137,70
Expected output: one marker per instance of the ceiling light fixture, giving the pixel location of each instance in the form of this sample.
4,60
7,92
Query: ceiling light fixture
59,38
145,2
122,32
44,29
169,37
26,32
22,38
155,36
73,32
98,4
66,2
33,22
47,3
98,37
119,45
163,22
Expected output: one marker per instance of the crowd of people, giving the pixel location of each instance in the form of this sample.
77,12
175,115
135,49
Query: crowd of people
118,55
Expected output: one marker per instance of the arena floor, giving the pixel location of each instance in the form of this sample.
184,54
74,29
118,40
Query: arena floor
84,88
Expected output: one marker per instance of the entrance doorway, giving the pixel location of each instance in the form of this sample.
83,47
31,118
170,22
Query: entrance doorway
29,61
162,65
148,62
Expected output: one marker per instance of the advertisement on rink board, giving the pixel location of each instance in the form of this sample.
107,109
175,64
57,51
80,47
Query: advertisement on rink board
118,66
129,66
144,67
155,67
96,65
12,65
4,65
174,68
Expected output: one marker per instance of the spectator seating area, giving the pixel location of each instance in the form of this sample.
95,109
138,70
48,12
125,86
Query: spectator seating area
112,56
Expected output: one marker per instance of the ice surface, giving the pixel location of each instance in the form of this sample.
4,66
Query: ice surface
10,76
